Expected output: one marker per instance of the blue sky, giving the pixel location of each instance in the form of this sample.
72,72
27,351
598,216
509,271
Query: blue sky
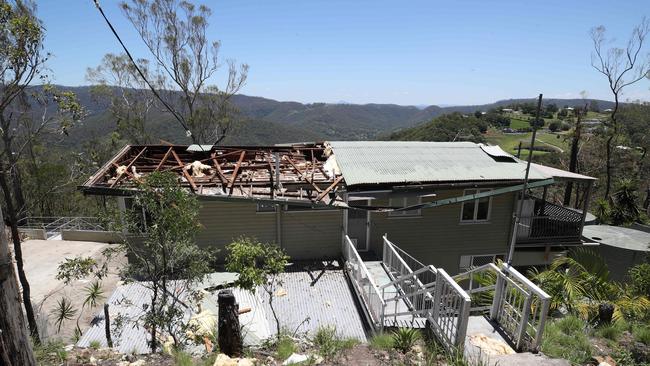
402,52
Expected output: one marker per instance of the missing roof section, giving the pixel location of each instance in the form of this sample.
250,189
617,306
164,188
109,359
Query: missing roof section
301,172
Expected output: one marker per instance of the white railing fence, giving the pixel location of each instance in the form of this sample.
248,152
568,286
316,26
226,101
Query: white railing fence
430,293
517,305
363,283
54,225
450,313
410,276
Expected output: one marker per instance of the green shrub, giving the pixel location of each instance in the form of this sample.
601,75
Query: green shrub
642,334
611,331
329,344
405,338
52,352
382,341
566,338
640,279
182,359
95,345
285,347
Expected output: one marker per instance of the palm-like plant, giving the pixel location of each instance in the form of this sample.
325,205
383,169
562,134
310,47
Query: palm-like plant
580,284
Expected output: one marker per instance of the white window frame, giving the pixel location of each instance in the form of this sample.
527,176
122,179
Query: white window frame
476,201
403,202
259,205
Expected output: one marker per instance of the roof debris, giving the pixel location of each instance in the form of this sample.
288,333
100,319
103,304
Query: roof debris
301,172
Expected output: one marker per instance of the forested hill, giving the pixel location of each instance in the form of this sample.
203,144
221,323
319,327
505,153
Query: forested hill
267,121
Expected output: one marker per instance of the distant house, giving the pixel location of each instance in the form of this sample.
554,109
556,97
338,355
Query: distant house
449,204
507,110
608,110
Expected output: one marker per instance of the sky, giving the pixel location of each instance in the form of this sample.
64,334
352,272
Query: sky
401,52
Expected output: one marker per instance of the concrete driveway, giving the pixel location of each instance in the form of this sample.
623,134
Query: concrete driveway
41,260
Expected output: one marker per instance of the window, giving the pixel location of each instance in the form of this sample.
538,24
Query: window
302,208
405,202
472,261
263,207
477,210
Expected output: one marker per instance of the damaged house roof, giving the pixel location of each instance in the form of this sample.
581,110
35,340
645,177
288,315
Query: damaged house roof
300,172
314,173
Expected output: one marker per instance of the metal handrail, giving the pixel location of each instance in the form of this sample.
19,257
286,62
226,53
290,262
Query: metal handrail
365,292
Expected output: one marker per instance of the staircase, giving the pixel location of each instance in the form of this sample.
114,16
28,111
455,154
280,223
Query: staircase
400,291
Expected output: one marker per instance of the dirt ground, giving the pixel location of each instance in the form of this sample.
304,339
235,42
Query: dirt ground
41,259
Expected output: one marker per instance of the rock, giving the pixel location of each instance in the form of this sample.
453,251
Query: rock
138,363
92,360
604,361
318,360
224,360
69,347
295,358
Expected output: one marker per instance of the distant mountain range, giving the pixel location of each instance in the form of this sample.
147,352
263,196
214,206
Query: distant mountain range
267,121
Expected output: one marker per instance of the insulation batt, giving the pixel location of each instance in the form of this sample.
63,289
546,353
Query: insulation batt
198,168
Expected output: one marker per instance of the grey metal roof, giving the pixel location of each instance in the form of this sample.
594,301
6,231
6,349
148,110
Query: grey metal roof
127,301
620,237
376,162
321,295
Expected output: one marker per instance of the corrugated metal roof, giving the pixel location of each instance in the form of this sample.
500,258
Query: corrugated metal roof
376,162
320,295
128,301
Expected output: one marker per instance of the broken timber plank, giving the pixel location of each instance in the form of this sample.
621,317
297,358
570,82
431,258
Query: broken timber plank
302,175
164,159
185,173
129,166
328,189
236,171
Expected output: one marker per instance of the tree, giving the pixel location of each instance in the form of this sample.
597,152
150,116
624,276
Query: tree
25,115
258,264
15,348
175,34
621,67
163,254
554,126
117,82
575,146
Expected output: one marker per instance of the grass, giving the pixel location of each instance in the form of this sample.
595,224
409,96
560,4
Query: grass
94,345
642,334
329,344
382,341
183,359
285,347
405,338
50,353
610,331
566,338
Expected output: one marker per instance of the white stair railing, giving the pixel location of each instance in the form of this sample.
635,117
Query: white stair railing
363,284
517,305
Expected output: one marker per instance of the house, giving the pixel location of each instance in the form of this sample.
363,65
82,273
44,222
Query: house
450,204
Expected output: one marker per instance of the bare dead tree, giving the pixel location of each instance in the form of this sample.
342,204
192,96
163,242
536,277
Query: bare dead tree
175,34
622,67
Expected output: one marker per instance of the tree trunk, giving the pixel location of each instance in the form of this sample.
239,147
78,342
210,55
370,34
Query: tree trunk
573,161
18,255
15,348
228,330
608,181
